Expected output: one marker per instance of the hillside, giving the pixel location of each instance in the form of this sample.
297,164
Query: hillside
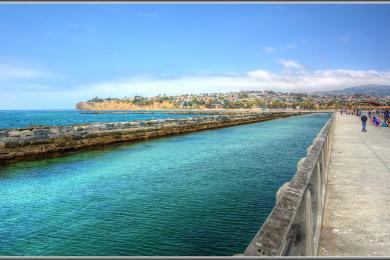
121,105
369,90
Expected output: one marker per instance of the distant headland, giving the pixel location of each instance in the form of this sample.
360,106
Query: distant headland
240,100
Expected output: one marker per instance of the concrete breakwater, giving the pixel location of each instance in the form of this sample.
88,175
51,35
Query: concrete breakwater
43,142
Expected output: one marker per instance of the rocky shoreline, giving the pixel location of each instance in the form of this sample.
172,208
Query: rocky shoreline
52,141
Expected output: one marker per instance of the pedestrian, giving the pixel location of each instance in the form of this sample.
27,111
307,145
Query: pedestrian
386,115
378,122
364,122
374,117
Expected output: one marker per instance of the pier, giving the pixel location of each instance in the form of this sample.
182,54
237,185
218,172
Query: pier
357,209
337,204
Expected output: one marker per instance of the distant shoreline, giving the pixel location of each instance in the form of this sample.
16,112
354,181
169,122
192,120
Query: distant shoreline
172,111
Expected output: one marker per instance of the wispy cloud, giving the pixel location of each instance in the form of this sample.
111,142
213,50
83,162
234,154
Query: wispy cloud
9,72
269,49
343,39
290,64
293,80
290,46
288,80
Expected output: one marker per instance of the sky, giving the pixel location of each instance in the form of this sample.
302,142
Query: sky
55,55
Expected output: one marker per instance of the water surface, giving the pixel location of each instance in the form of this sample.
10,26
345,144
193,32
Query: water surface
204,193
25,118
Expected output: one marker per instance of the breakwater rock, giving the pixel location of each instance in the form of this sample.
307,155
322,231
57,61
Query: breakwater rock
43,142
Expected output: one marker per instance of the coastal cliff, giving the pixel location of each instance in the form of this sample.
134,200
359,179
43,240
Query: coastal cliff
122,105
43,142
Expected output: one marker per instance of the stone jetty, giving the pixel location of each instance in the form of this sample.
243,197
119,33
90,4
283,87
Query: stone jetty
53,141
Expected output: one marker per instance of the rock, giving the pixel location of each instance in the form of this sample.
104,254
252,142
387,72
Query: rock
109,126
92,135
54,130
41,132
12,144
24,141
65,129
26,133
13,134
77,136
4,133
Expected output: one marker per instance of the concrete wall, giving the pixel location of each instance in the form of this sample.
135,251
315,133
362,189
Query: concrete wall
294,225
42,142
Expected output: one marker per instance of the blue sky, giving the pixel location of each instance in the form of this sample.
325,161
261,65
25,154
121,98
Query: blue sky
54,55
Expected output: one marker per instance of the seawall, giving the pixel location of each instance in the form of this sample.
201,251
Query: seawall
43,142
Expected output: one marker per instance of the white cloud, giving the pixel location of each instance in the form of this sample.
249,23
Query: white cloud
260,74
269,49
290,46
290,80
301,80
8,72
290,64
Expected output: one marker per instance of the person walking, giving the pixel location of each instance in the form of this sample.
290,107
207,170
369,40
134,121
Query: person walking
364,122
373,118
386,115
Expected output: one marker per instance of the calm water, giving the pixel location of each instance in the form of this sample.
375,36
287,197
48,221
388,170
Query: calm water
205,193
24,118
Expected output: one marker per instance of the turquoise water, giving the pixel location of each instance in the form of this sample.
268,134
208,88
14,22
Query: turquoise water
204,193
25,118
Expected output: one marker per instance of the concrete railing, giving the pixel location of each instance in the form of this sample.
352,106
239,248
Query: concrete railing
294,225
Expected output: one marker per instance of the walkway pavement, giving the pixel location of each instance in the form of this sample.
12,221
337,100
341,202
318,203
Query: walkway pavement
357,209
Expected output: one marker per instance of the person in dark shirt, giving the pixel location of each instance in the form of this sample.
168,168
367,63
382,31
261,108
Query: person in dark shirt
386,116
364,122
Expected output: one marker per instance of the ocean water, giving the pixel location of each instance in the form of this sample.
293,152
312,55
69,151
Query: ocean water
25,118
199,194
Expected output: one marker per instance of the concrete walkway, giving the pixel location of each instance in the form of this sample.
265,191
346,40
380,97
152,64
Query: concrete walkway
357,209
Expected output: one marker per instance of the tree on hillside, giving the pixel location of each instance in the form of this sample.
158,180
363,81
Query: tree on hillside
96,99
